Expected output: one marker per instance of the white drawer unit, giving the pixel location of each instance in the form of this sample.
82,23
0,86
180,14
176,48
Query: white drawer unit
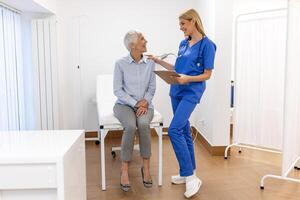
18,176
42,165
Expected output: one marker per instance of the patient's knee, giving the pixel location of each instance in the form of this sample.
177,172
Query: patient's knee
130,129
143,124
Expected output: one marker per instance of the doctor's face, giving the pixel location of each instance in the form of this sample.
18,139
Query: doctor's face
186,26
140,44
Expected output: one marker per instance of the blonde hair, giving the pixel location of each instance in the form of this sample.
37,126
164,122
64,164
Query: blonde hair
192,14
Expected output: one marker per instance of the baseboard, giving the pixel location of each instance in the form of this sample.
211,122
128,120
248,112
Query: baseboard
213,150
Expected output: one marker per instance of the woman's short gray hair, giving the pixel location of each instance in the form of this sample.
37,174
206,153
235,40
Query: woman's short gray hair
130,38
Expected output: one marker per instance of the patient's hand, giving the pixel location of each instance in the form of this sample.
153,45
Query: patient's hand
141,111
142,103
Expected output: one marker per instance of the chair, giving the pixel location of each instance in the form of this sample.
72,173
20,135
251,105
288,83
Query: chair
107,122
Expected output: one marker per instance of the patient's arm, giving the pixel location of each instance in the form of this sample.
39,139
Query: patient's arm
118,88
151,87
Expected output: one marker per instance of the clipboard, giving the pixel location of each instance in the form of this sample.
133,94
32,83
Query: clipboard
167,76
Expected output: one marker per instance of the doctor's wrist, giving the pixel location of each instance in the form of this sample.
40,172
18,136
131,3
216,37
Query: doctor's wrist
192,79
156,59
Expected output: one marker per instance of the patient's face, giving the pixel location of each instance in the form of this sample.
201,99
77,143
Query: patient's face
140,44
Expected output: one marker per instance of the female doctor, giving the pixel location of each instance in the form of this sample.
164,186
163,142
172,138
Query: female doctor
194,63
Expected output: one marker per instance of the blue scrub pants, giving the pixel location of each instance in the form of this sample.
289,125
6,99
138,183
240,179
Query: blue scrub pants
181,138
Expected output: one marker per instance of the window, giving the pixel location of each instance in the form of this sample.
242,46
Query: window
11,72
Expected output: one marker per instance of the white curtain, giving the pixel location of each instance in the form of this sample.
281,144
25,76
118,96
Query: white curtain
45,73
11,75
259,79
291,146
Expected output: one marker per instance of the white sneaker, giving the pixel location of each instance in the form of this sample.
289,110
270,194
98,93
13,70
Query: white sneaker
193,184
177,179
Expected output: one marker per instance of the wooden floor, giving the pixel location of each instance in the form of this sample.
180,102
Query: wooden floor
237,178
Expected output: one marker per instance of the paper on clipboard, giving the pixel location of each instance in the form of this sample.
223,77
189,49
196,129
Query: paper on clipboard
168,76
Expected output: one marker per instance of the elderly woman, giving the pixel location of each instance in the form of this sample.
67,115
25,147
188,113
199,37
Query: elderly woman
134,86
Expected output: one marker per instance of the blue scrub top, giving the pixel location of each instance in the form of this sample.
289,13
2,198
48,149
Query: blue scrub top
193,61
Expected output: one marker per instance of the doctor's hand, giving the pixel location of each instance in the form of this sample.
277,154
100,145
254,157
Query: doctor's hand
141,111
183,79
152,57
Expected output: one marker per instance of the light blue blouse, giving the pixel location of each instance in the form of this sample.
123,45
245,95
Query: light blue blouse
134,81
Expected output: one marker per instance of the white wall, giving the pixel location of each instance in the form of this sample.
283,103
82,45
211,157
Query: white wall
212,116
90,34
221,85
207,13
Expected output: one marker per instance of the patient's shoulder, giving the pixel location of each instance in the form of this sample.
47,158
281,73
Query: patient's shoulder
150,62
121,61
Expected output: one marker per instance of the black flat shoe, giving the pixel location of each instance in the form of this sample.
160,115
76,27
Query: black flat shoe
125,187
147,184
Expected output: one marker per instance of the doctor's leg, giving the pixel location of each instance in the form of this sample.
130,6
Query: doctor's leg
176,132
189,142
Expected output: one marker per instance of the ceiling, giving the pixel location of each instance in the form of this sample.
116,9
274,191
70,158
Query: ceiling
25,5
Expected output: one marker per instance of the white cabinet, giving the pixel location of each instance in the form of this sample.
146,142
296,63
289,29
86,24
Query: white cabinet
42,165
